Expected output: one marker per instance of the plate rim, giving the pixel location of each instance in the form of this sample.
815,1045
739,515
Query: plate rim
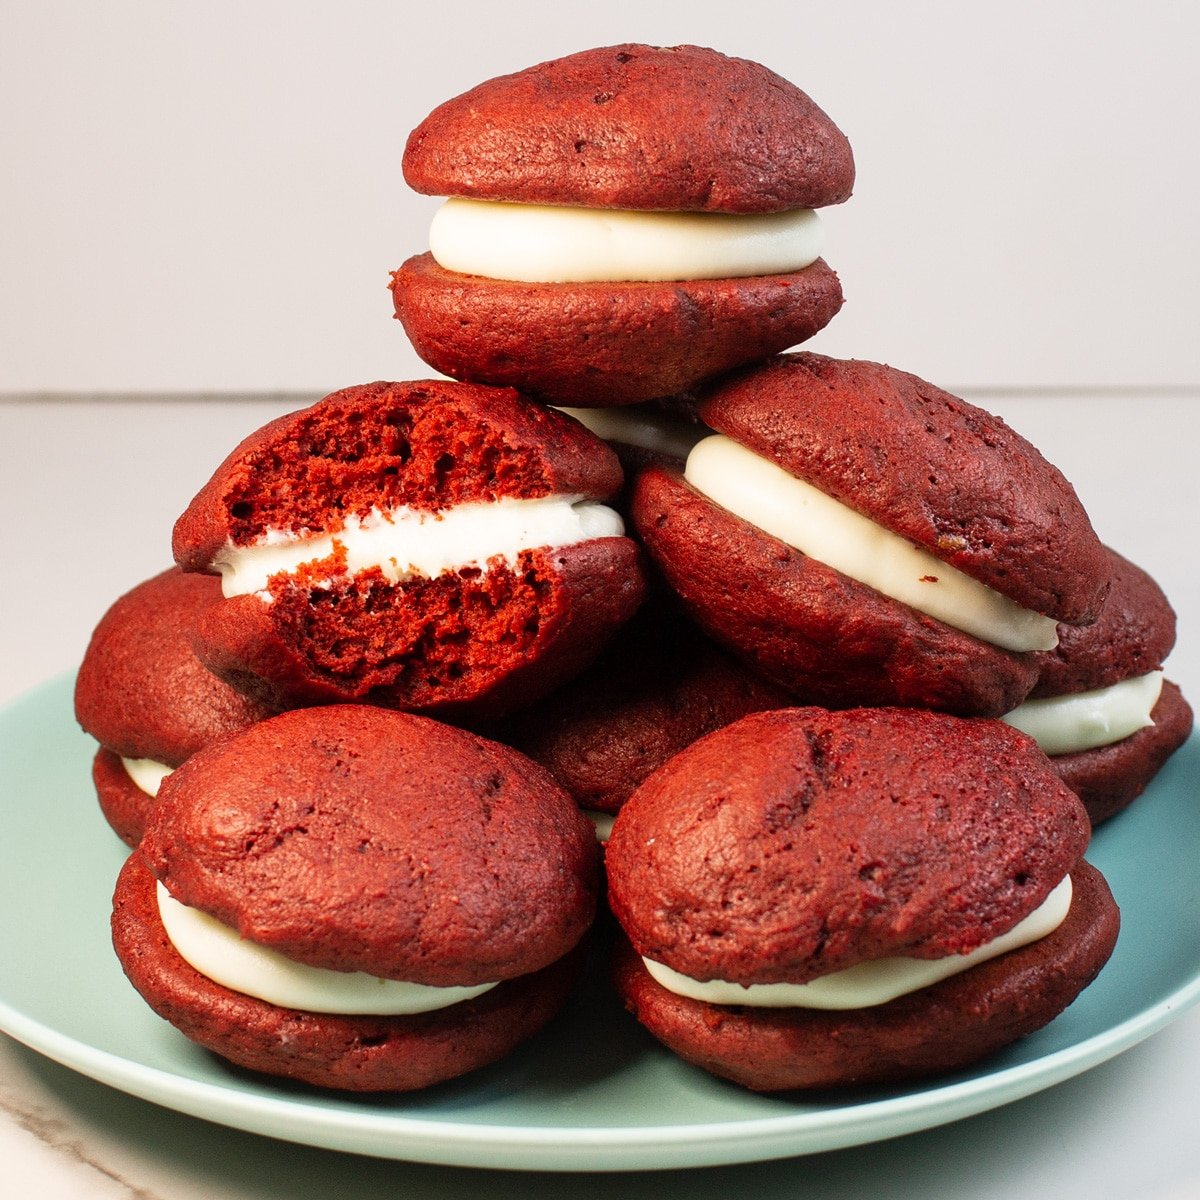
616,1147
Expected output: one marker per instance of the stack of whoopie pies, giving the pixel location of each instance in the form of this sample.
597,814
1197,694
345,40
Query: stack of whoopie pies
844,702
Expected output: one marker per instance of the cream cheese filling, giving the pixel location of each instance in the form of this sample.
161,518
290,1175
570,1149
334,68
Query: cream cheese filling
404,542
643,425
546,243
146,773
1087,720
870,983
602,822
224,956
763,493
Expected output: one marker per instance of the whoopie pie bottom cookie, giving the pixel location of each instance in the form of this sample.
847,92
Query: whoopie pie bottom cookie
327,1050
940,1028
1109,778
602,344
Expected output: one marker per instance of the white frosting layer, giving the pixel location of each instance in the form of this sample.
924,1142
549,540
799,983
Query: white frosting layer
406,542
222,955
544,243
146,773
763,493
1085,720
642,425
870,983
602,821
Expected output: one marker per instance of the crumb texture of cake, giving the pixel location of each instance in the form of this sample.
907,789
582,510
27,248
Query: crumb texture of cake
424,445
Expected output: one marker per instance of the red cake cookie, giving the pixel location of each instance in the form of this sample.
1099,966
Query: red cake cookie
351,841
679,128
600,344
1101,708
656,132
942,547
799,847
659,686
142,693
430,546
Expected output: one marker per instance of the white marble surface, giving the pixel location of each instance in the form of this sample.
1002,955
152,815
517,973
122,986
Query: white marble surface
95,484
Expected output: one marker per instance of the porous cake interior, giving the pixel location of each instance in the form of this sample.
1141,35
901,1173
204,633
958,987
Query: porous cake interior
347,459
429,641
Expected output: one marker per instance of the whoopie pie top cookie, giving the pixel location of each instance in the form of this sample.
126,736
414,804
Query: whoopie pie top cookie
356,897
817,898
800,842
621,224
435,546
1101,707
907,547
142,693
681,128
354,838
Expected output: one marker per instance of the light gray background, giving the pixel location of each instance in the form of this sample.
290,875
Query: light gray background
208,195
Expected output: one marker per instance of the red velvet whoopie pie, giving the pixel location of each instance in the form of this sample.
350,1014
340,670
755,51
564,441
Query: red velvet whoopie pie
966,514
658,686
431,546
375,859
798,861
630,128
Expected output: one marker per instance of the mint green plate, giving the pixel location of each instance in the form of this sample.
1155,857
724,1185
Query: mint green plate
593,1092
